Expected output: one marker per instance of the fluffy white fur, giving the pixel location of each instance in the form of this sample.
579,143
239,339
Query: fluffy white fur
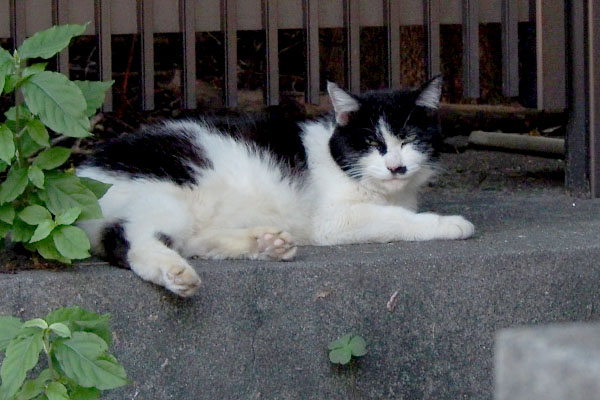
245,207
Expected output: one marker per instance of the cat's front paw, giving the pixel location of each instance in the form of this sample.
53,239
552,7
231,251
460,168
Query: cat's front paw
275,244
455,227
182,280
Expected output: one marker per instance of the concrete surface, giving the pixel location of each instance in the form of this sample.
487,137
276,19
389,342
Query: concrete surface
559,362
259,330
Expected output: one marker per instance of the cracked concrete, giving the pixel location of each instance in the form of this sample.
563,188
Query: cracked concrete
260,329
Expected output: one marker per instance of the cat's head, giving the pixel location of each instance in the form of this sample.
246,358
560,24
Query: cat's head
386,139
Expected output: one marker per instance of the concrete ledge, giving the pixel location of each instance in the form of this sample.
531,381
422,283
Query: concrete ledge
260,330
548,363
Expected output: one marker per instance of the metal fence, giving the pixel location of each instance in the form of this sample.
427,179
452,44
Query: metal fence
564,30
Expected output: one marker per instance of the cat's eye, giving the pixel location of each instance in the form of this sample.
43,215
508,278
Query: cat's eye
372,142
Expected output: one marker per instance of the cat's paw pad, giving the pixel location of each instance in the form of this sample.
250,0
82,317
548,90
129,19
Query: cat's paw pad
276,245
456,227
182,280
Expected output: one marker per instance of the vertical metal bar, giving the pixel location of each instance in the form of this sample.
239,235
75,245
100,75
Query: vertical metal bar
18,22
102,22
352,25
271,24
577,157
471,48
187,16
229,23
510,48
311,24
60,16
550,54
593,37
432,36
392,20
146,30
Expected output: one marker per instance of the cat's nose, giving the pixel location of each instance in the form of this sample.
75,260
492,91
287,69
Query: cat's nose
398,170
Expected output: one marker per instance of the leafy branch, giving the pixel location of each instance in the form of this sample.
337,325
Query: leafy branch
39,201
78,365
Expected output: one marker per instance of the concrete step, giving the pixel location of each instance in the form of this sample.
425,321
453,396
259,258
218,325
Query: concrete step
259,330
558,362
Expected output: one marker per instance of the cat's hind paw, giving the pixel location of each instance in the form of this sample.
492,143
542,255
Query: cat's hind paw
182,280
275,245
455,227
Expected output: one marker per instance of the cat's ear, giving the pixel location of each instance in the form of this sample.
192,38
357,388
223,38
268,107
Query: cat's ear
431,93
343,103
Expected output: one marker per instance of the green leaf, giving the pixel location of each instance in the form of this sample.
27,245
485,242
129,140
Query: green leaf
36,323
98,188
341,342
9,329
57,391
358,346
33,69
6,65
58,102
79,319
94,93
45,44
340,356
7,144
28,146
80,359
52,158
48,250
64,191
71,242
35,215
68,217
3,166
10,84
14,185
38,132
21,356
24,113
81,393
7,213
21,232
42,231
36,176
60,329
32,388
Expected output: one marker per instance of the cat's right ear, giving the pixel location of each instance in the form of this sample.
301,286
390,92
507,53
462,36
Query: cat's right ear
343,103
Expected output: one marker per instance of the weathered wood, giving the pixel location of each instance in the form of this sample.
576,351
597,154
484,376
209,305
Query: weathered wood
311,24
271,24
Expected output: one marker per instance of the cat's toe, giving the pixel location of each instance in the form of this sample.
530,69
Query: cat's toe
456,227
182,280
277,245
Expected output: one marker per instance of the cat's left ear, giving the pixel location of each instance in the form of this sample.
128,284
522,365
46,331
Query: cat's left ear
431,93
343,103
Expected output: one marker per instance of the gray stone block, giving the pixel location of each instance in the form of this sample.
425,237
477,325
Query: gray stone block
259,330
560,362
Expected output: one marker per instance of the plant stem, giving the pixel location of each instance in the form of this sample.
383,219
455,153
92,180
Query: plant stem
47,350
17,116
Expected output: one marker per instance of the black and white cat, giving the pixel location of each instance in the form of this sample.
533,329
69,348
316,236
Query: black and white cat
184,189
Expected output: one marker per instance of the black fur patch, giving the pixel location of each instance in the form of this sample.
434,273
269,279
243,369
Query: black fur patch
165,239
115,244
154,151
359,136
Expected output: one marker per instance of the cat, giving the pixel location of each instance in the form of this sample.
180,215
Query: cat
185,189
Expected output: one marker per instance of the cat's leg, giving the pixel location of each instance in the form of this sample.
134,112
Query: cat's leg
153,261
361,223
259,243
139,242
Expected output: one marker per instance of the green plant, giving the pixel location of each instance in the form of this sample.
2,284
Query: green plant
38,202
343,349
78,365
